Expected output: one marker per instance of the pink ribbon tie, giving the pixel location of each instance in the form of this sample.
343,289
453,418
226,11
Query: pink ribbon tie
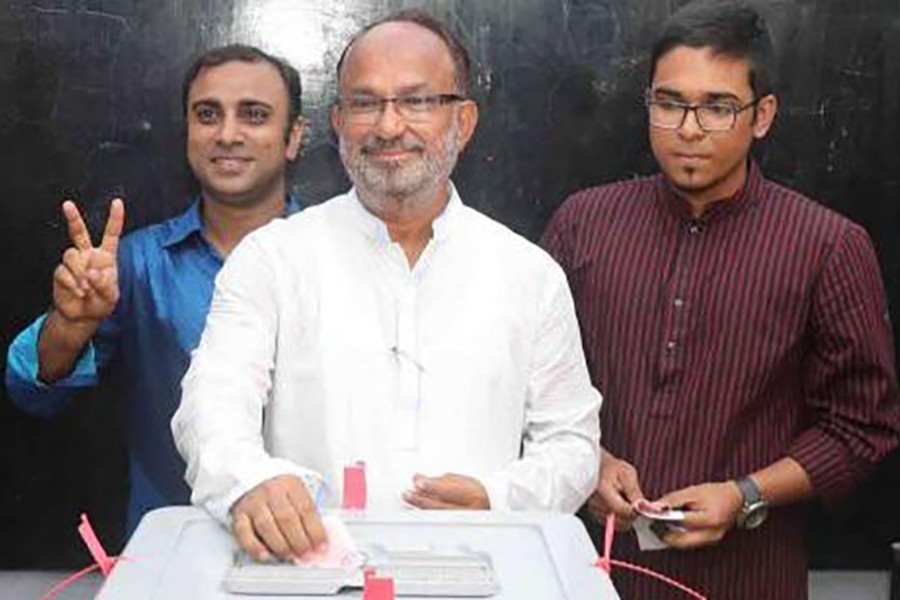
606,562
102,561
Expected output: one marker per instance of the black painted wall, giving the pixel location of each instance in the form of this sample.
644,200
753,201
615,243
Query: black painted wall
89,108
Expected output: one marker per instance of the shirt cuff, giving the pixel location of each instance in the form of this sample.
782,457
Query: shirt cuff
220,508
497,488
25,388
831,468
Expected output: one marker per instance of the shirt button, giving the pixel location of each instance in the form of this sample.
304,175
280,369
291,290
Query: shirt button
678,303
694,229
670,345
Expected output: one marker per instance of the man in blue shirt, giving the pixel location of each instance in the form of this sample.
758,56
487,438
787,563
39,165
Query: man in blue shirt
137,309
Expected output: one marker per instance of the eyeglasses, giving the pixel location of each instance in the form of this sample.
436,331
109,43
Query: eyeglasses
670,114
412,107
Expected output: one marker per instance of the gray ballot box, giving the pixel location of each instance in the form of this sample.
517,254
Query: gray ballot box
180,553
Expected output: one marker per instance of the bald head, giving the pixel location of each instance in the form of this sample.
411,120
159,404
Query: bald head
417,27
408,55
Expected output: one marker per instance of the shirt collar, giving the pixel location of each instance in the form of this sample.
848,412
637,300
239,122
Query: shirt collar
375,229
747,196
191,221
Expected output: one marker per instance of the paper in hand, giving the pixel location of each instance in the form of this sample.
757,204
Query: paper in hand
339,552
653,520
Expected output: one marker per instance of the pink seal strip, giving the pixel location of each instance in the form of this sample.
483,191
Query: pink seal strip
102,561
95,547
377,588
606,562
355,486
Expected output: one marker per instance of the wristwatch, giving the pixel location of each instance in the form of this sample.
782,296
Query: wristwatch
755,508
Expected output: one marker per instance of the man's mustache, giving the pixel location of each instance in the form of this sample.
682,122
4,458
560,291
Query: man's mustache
383,145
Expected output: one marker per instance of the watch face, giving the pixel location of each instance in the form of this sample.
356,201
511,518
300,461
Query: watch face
754,515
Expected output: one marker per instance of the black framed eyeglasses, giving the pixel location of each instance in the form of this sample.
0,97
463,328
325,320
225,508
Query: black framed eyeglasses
412,107
718,116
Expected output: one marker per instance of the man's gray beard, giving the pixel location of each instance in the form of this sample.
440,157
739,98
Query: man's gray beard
411,183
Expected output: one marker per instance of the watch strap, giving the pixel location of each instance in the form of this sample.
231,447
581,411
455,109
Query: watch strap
750,491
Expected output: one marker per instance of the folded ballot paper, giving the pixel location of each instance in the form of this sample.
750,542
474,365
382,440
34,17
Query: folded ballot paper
654,520
341,565
340,552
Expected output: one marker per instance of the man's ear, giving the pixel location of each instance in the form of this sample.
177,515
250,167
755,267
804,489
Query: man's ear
337,119
468,120
296,138
766,109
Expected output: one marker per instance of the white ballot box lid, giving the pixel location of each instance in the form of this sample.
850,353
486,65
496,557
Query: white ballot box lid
180,552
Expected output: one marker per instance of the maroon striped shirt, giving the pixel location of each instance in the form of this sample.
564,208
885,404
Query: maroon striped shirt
722,344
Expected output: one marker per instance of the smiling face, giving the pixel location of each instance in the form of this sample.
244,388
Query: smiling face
391,158
239,141
707,166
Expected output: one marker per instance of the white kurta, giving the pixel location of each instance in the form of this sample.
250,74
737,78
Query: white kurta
323,347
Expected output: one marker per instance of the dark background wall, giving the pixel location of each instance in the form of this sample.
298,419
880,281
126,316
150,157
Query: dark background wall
89,108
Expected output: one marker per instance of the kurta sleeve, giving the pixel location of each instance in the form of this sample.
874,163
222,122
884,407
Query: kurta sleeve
561,439
850,380
218,428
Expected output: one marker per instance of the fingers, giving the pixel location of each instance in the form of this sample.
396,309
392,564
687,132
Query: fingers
696,502
698,519
284,533
597,506
245,534
451,491
683,498
429,493
309,516
78,231
628,482
443,488
652,508
87,272
609,493
687,499
617,490
114,224
426,502
687,540
65,280
277,517
81,237
75,263
709,513
599,509
104,283
269,531
606,500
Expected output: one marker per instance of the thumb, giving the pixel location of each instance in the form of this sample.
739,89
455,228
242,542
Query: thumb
678,498
630,487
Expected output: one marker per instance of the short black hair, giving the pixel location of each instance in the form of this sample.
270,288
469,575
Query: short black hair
462,64
730,28
252,54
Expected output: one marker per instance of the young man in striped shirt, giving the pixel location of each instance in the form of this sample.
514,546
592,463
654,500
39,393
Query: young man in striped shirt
737,330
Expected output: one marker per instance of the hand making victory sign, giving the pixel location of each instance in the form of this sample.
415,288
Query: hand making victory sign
86,283
85,291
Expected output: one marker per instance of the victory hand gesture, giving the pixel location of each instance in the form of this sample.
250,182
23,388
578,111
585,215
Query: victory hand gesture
86,283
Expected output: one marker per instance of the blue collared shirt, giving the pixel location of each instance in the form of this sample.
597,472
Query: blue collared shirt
167,273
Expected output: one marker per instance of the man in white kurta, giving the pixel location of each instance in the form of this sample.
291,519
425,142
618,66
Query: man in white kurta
415,334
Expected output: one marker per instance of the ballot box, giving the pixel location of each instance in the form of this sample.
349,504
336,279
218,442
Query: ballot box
180,552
